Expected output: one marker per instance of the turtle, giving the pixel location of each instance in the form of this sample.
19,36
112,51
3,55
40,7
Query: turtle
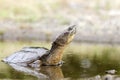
28,56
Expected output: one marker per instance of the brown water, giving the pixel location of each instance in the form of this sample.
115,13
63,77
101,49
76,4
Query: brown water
81,62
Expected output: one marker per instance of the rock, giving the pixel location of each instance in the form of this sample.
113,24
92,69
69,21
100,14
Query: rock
111,71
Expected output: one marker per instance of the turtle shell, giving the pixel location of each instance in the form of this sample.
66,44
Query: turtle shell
26,55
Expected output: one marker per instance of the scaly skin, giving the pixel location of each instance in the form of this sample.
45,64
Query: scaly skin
55,54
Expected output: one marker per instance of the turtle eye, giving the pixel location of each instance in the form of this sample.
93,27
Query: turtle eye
70,28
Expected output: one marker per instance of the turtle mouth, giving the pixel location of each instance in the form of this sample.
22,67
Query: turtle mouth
72,29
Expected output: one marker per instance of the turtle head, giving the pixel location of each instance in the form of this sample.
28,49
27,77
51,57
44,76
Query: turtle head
55,54
67,36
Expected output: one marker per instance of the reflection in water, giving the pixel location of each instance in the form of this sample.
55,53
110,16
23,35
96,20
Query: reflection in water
85,63
54,72
43,73
86,67
28,71
7,72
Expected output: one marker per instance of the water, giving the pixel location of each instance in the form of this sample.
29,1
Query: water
82,62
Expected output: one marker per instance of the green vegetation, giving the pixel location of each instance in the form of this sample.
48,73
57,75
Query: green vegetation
4,14
1,32
31,10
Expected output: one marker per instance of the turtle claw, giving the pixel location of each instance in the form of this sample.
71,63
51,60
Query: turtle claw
35,64
60,63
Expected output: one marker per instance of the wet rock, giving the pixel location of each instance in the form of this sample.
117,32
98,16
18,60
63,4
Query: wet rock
98,77
111,71
108,77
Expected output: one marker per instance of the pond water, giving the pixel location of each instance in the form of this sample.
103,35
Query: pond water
82,62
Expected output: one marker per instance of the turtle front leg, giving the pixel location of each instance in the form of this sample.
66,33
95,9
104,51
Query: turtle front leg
61,63
35,64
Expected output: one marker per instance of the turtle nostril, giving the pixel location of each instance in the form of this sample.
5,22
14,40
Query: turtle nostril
69,29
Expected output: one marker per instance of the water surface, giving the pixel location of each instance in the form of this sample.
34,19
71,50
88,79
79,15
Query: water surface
81,62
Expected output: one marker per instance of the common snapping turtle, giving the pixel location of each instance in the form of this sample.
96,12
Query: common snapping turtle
29,56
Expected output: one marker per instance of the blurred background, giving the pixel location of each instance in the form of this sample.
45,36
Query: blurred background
42,20
38,22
